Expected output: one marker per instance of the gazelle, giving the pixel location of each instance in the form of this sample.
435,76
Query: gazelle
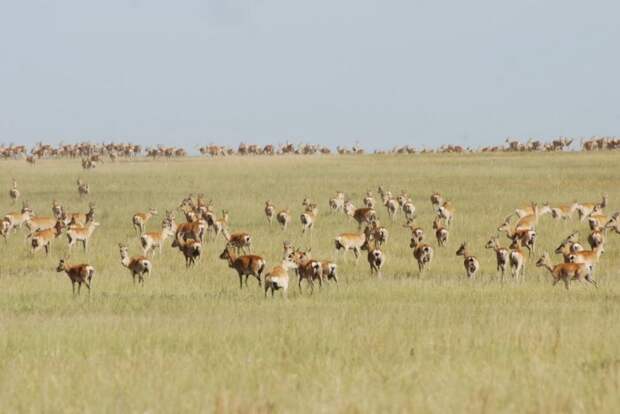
83,188
284,218
436,200
376,260
566,272
40,223
270,211
527,237
350,241
416,231
590,257
14,192
564,211
392,207
137,265
597,237
5,229
441,232
155,240
502,255
308,218
517,260
43,239
596,219
18,219
240,241
329,270
194,230
81,219
308,269
369,200
446,211
530,221
377,233
191,249
220,224
337,203
81,234
529,210
585,209
408,209
277,278
78,274
139,220
248,265
422,252
472,265
349,209
364,215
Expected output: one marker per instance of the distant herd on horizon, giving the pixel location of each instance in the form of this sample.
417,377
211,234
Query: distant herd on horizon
202,226
92,153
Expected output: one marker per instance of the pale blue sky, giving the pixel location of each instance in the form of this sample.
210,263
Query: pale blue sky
383,73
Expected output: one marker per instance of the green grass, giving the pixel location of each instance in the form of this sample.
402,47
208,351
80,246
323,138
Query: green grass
190,340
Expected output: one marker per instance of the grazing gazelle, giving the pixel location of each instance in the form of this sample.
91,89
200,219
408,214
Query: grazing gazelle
139,220
81,234
350,241
191,249
502,254
42,239
155,240
446,211
83,188
14,192
585,209
240,241
284,218
277,278
248,265
441,232
137,265
471,263
422,252
270,211
566,272
78,274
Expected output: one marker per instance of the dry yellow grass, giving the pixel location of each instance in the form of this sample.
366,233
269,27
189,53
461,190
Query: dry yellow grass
192,341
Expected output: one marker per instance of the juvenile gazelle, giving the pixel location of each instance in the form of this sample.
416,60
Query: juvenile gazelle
14,192
422,252
42,239
78,274
502,254
247,265
277,278
81,234
270,211
284,218
139,220
471,263
83,188
566,272
155,240
441,232
240,241
138,265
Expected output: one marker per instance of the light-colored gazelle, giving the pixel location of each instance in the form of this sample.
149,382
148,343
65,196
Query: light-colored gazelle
350,241
436,200
277,278
284,218
336,204
16,220
155,240
441,232
220,224
564,211
471,263
416,231
566,272
517,260
78,274
270,211
247,265
81,234
369,200
446,211
14,192
139,220
138,265
502,254
83,188
530,221
529,210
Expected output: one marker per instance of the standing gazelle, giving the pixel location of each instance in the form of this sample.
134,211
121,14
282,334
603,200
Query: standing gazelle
566,272
137,265
502,254
139,220
472,265
81,234
14,192
270,211
78,274
155,240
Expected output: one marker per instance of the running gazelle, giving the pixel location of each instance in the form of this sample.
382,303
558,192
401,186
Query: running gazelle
471,263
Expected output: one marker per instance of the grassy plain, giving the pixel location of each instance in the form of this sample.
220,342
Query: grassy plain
192,341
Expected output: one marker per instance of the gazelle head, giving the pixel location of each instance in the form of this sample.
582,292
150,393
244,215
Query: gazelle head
492,243
462,251
61,266
544,260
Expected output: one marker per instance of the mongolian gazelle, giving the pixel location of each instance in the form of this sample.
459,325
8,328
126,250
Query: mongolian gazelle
81,234
270,211
14,192
336,204
248,265
277,278
139,220
564,211
502,254
585,209
240,241
566,272
470,263
83,188
191,249
284,218
422,252
350,241
155,240
137,265
16,220
376,259
446,211
441,232
78,274
43,239
308,218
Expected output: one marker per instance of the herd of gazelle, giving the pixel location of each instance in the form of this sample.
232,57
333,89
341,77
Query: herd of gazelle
202,225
